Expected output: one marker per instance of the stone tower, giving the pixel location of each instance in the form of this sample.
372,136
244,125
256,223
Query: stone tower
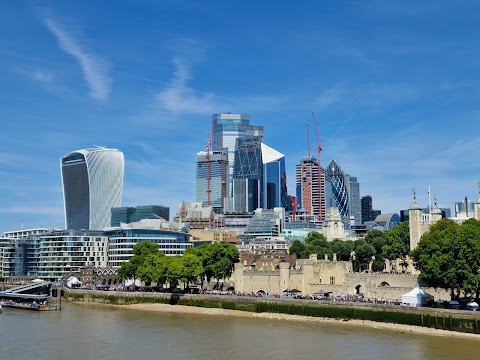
415,222
333,227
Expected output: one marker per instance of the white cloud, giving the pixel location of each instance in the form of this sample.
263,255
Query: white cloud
178,97
95,69
329,97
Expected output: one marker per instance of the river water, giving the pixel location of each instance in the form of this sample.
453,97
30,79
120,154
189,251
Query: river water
82,332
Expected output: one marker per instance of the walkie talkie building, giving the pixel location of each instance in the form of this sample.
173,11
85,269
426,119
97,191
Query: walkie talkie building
92,181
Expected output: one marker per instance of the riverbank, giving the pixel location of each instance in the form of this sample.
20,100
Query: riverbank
181,309
380,316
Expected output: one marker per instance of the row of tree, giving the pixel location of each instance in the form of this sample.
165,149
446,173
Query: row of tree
205,262
376,246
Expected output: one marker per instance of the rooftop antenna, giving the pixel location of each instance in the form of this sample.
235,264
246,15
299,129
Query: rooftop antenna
429,202
478,184
414,195
22,224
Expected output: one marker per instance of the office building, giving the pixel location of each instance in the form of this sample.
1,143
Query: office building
248,175
265,223
213,164
340,192
92,181
133,214
227,128
366,204
122,239
274,179
354,204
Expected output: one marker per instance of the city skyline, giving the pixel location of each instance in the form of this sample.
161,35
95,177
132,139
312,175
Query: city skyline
394,88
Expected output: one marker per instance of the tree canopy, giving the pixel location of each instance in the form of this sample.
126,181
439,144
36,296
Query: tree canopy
151,266
448,257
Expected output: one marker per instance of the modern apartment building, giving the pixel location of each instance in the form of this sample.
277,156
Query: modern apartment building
213,165
308,198
63,252
92,181
133,214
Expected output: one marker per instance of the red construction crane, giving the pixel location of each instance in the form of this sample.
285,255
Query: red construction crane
293,199
319,150
308,141
209,178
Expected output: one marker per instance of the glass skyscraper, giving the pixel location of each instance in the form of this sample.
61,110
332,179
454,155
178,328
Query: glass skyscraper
248,175
227,128
131,214
92,181
339,190
274,179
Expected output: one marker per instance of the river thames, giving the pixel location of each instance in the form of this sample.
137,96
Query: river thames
82,332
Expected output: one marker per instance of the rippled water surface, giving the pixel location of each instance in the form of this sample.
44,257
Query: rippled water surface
96,332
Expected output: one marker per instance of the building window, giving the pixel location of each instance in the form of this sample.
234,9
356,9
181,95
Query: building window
332,280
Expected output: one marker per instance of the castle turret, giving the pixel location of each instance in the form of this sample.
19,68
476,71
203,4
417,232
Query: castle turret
415,222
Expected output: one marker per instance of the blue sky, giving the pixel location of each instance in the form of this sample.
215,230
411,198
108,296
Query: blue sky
394,86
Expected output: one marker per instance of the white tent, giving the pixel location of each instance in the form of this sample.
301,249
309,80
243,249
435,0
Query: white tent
72,280
416,297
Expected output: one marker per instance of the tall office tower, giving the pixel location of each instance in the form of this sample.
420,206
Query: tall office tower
367,208
306,176
218,179
274,179
248,175
132,214
354,204
339,190
92,181
226,129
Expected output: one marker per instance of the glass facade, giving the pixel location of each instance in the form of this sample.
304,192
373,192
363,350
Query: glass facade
354,204
121,243
128,215
92,181
248,175
339,190
274,179
227,128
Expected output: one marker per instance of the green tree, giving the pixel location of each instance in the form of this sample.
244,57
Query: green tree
363,254
297,248
397,243
448,257
342,248
148,270
129,269
192,268
316,243
376,238
174,271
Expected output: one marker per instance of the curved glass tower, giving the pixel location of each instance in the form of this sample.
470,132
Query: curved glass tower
339,190
92,181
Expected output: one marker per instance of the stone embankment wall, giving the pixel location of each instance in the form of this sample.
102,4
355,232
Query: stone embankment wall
454,320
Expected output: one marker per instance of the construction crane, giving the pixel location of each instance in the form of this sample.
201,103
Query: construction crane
319,150
308,141
209,177
293,199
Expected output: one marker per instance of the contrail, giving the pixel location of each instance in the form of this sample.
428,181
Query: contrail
340,128
137,156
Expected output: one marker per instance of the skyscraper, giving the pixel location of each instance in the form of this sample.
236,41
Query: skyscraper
367,208
92,181
306,176
218,178
339,190
354,204
226,129
248,175
274,179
